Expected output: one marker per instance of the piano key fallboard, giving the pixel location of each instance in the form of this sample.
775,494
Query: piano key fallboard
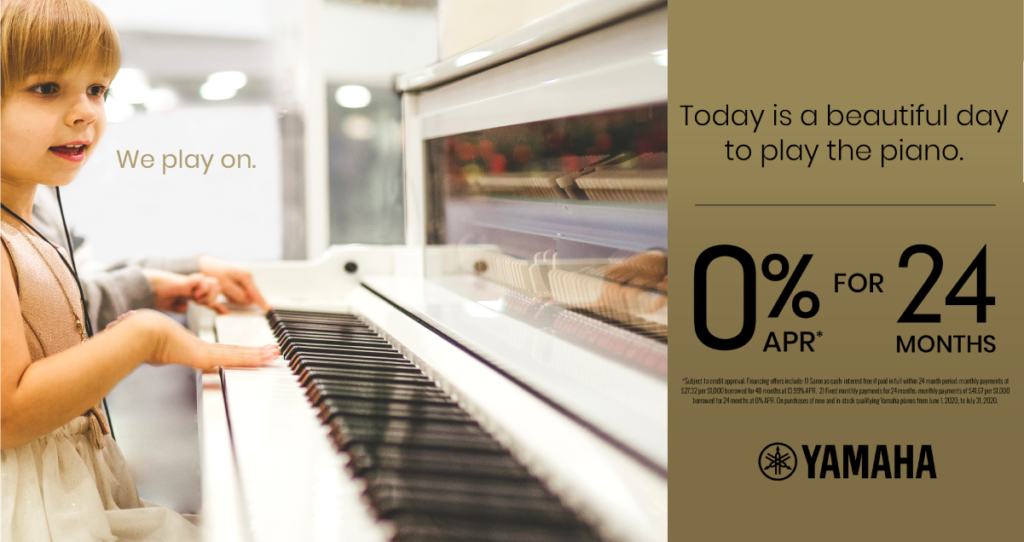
428,468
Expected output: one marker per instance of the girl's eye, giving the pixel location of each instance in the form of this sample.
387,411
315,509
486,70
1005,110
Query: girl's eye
46,88
98,90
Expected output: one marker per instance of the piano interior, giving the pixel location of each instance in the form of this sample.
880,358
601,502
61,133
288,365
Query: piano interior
503,375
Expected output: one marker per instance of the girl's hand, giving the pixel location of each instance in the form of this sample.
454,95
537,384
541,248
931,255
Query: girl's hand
174,344
174,291
206,291
237,283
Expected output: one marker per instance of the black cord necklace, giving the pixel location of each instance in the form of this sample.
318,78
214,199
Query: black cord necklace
73,269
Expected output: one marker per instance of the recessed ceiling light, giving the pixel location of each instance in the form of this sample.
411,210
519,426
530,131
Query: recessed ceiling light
211,91
353,96
131,86
230,79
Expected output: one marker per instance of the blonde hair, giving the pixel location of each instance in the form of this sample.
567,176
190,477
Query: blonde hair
51,37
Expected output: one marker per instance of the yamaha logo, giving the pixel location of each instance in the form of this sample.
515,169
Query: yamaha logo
777,461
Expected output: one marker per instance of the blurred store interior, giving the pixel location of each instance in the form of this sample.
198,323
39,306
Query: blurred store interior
307,89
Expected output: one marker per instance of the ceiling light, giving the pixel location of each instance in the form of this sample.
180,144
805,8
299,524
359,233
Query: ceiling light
117,110
223,85
212,91
161,99
353,96
130,86
231,79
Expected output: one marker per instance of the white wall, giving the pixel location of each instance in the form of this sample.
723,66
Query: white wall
234,213
372,45
464,24
249,19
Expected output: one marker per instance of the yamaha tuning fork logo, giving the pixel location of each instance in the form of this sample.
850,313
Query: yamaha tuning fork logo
777,461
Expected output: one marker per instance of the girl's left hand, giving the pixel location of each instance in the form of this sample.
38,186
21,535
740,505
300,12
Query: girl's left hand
174,291
237,283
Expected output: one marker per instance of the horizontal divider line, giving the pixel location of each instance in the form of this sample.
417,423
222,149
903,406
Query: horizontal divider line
844,205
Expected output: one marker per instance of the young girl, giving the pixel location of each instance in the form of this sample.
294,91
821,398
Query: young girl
63,475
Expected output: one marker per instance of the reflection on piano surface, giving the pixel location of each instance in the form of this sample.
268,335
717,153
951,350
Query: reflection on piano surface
569,211
607,296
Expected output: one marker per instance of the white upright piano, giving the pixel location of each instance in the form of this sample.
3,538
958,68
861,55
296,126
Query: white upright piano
526,317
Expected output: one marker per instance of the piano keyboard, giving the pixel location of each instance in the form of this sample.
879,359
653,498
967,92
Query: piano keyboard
428,468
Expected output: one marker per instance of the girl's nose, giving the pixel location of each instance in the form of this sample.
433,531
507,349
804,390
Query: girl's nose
82,110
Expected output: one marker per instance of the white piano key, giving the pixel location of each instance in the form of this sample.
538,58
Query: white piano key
224,520
294,483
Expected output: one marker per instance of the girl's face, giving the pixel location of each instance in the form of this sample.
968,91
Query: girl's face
45,114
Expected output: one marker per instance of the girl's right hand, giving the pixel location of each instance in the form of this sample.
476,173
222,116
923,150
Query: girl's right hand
174,344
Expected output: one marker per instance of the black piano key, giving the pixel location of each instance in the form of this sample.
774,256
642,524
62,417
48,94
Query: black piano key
394,362
302,315
414,527
312,325
293,351
325,336
344,353
358,341
318,393
320,315
456,463
372,365
308,375
381,388
347,346
421,435
322,350
336,340
289,350
322,324
331,407
389,501
342,373
302,320
455,429
336,332
296,362
336,322
362,365
523,489
338,371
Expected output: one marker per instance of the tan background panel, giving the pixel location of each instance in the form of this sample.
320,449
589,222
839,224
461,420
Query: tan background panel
865,55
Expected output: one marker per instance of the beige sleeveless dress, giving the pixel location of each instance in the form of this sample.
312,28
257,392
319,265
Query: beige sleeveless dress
72,484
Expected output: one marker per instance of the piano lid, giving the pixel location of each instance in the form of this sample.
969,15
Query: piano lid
572,20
